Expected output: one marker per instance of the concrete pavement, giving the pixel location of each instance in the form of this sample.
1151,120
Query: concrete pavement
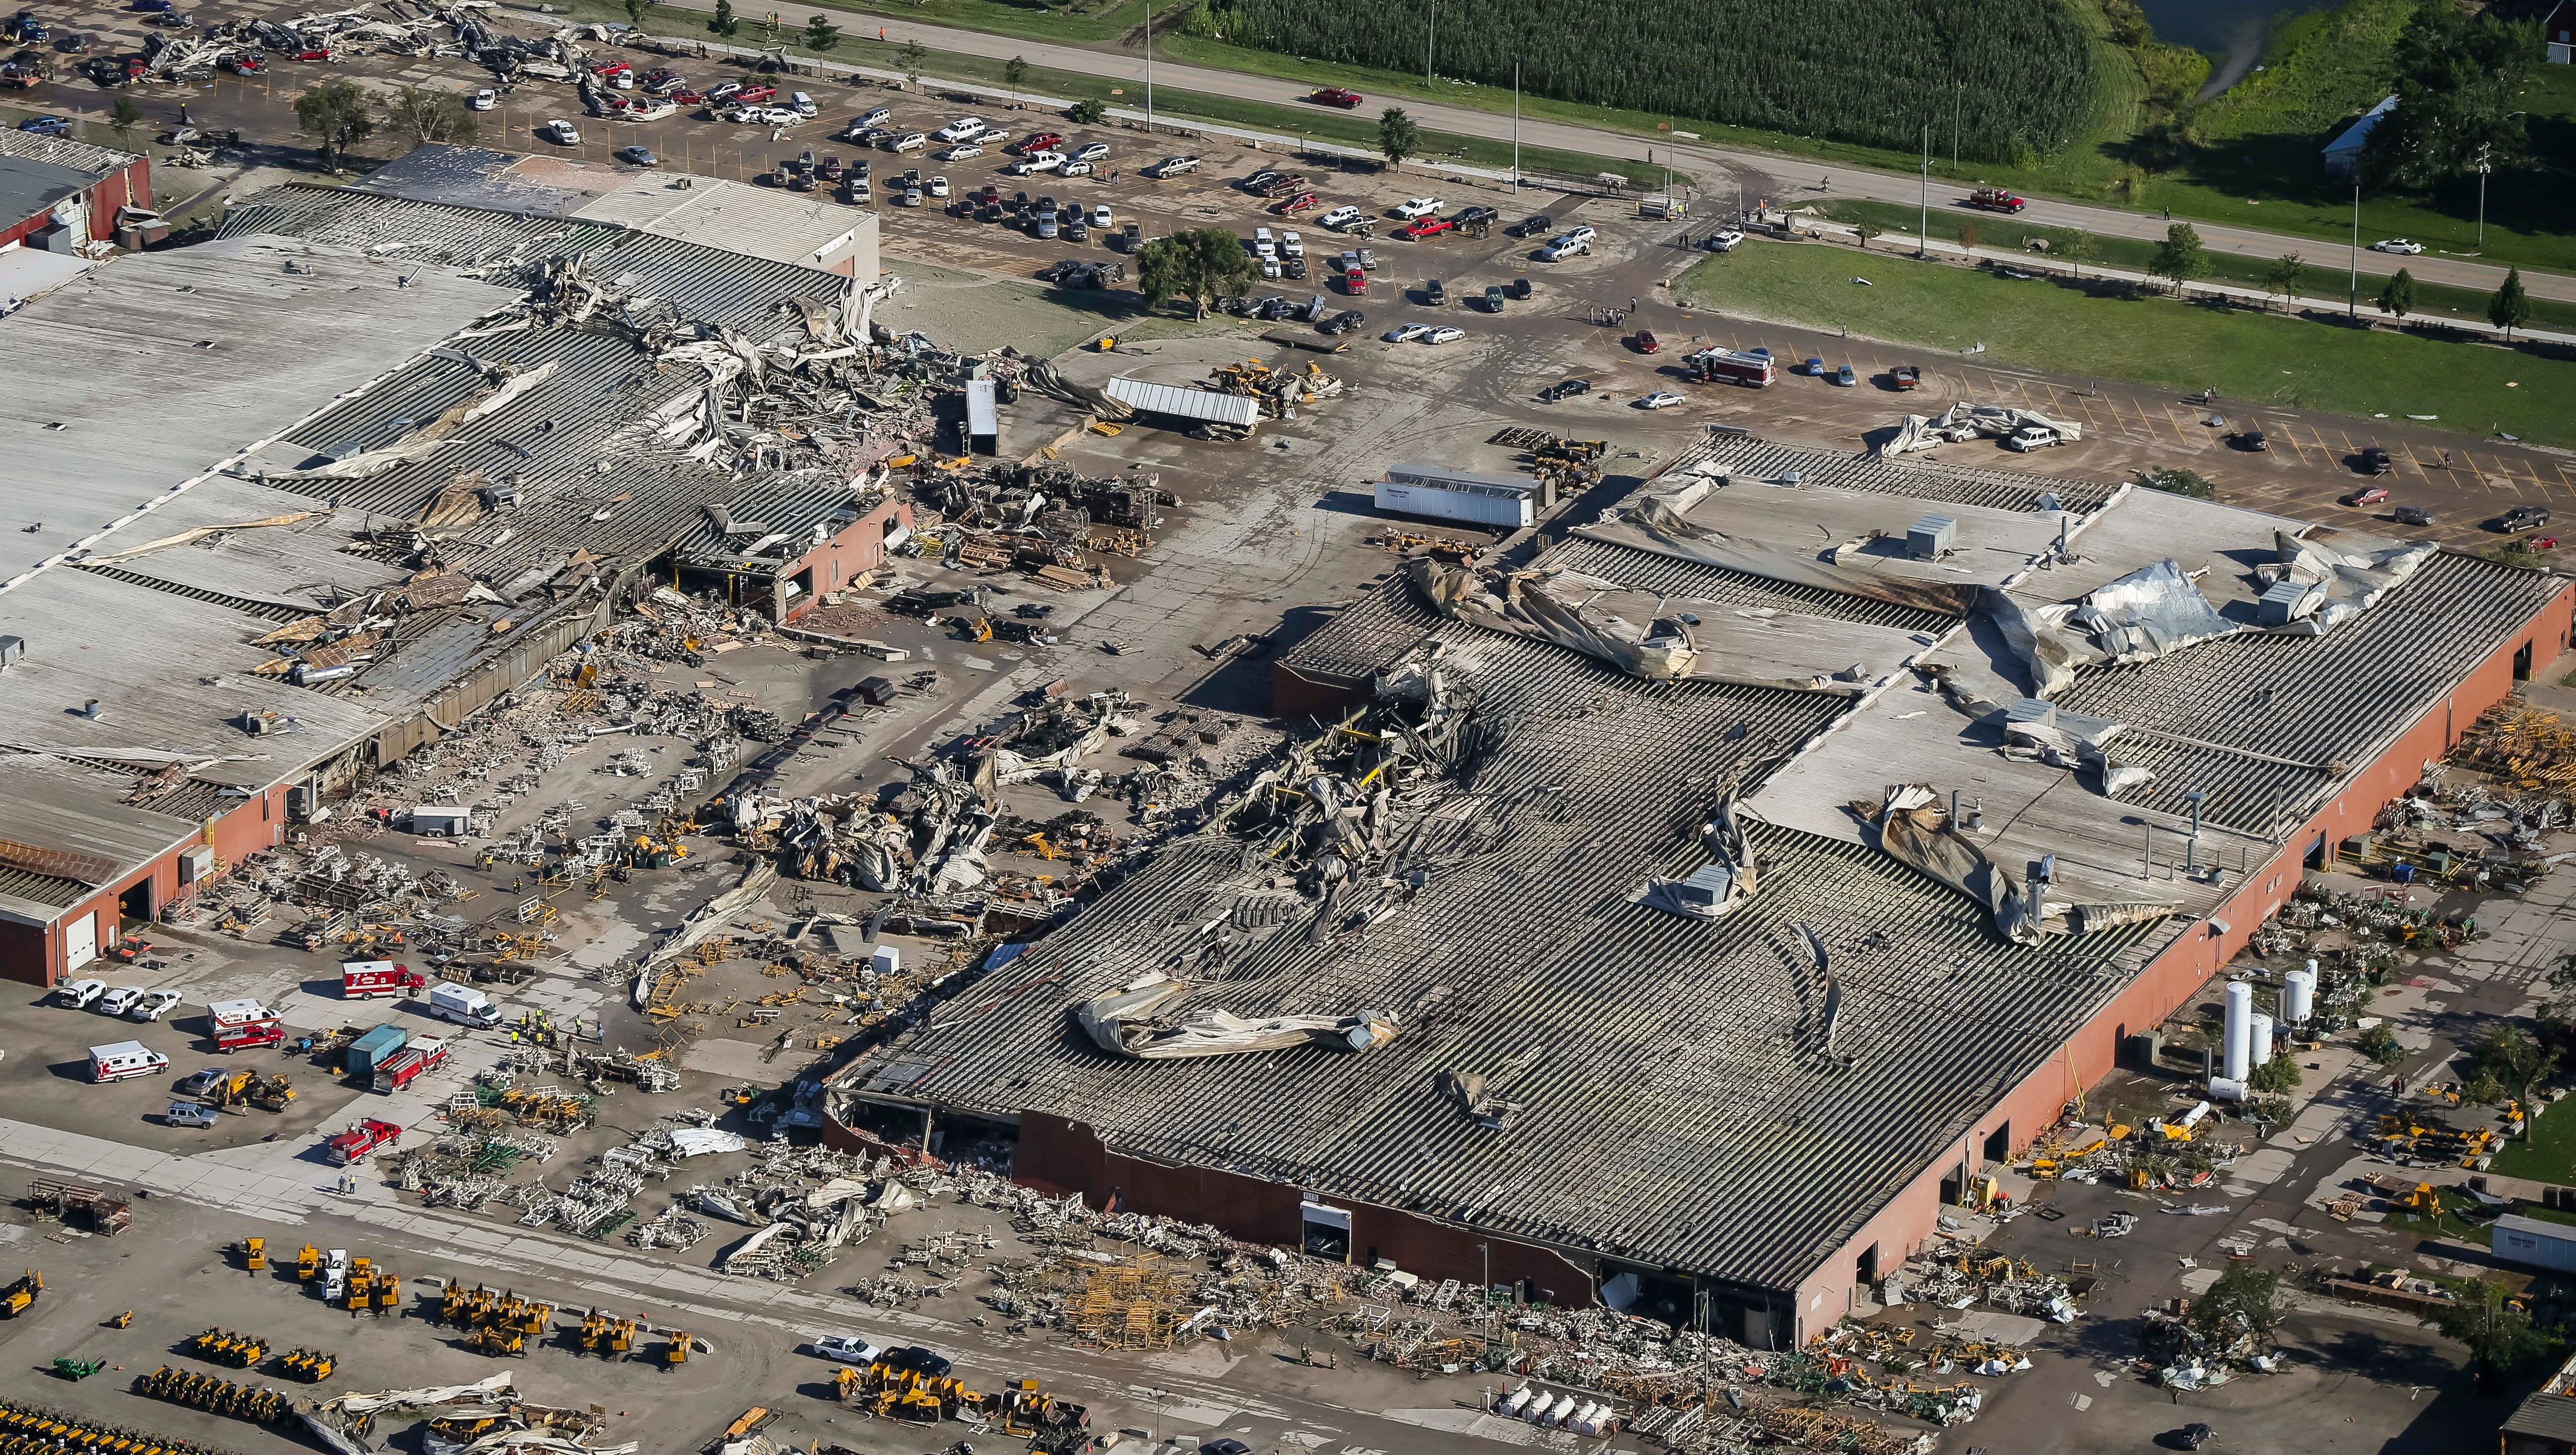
1790,173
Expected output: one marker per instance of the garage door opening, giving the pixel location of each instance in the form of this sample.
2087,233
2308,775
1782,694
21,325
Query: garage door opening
134,906
1325,1231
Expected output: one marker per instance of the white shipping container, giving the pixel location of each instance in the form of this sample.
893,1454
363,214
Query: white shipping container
1504,509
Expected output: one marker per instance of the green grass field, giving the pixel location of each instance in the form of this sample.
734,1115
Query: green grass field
2261,169
2550,1153
2471,387
2326,275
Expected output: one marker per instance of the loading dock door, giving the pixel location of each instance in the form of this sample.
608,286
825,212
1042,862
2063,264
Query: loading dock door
80,942
1325,1230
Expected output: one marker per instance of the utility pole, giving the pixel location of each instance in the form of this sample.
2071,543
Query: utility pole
2352,284
1149,67
1516,140
2483,169
1958,100
1923,229
1430,37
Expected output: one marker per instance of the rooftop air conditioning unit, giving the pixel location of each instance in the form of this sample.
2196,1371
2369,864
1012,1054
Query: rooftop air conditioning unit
1932,537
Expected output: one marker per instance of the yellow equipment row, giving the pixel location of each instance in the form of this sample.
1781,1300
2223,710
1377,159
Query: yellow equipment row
19,1296
241,1351
310,1365
217,1396
890,1391
26,1428
607,1335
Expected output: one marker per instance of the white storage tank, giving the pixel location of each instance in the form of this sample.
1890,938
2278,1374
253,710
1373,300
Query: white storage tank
2258,1040
2299,996
2240,1027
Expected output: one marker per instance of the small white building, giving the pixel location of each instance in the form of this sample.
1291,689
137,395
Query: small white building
2343,154
2536,1244
2559,31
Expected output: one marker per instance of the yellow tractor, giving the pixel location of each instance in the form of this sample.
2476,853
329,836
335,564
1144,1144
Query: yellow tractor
676,1352
494,1339
18,1297
254,1255
308,1263
271,1093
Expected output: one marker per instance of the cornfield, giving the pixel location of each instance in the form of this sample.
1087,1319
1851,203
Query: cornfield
2015,78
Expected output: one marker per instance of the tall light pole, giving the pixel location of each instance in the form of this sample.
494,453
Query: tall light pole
1516,139
1430,36
1149,67
2352,284
2483,169
1958,100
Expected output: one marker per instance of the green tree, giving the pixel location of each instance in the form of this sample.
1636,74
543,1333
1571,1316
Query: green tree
723,21
1089,111
337,112
2276,1077
2164,143
1864,232
1014,71
123,117
2180,256
427,116
821,34
2397,299
909,58
2379,1043
2245,1302
2287,276
2513,1059
2510,308
1195,267
636,10
2503,1342
1397,136
2460,77
2079,249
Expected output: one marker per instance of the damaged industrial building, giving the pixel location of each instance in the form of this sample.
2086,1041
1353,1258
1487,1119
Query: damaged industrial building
365,464
1681,916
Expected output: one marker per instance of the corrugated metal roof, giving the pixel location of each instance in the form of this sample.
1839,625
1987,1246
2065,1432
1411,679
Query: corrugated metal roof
1667,1098
1180,402
113,402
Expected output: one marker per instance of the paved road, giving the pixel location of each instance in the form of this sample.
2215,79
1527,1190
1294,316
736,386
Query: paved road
1792,174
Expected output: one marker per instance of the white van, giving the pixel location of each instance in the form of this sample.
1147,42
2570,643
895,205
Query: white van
802,104
463,1004
125,1059
1263,245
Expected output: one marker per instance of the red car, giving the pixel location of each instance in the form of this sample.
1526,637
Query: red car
611,68
1422,227
1995,199
1906,376
2367,495
1336,96
247,66
755,94
313,55
687,98
1039,141
1646,342
1290,206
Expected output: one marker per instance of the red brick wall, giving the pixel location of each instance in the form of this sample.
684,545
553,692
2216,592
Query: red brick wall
854,550
1057,1156
25,952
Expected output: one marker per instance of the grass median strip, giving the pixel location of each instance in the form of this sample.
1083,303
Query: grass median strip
2326,277
2268,358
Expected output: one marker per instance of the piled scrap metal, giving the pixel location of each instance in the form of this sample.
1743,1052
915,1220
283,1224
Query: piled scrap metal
1281,390
1964,421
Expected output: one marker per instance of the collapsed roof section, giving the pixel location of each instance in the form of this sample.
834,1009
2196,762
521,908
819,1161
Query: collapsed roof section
1128,1022
1964,421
